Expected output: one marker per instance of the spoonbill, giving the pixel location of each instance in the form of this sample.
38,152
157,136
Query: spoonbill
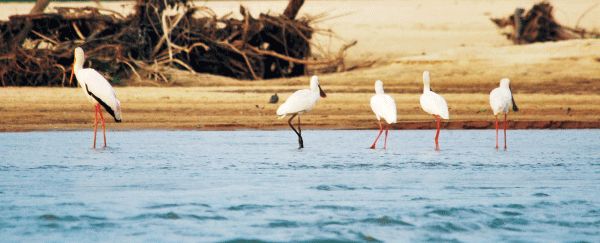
384,107
433,104
97,90
501,99
300,102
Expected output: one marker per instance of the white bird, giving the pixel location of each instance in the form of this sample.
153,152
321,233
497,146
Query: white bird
97,90
433,104
300,102
501,100
384,107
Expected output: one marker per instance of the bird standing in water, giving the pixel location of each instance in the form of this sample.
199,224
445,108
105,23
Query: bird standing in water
433,104
384,107
501,100
299,102
98,91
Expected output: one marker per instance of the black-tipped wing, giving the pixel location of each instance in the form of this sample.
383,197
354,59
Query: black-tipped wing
103,104
512,98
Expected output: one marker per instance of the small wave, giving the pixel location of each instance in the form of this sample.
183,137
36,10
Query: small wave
347,166
573,224
69,218
200,205
576,202
301,167
479,188
53,217
169,215
512,206
319,240
7,167
543,204
166,205
446,227
540,194
80,204
174,216
510,213
174,205
103,225
283,224
47,167
334,222
507,223
452,212
337,188
592,213
367,238
203,218
335,207
386,221
243,240
249,207
440,239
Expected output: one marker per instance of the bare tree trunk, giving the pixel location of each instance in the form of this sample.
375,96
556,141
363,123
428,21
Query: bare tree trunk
293,8
38,8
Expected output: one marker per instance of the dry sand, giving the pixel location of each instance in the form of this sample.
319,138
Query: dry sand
557,85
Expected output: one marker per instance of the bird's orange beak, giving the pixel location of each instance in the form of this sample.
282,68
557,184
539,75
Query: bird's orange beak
72,72
321,92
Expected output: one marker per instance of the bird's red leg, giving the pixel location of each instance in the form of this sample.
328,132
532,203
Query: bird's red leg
504,131
95,124
387,128
380,131
437,134
103,124
496,131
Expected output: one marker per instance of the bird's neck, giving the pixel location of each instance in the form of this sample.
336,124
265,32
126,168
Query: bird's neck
78,65
426,88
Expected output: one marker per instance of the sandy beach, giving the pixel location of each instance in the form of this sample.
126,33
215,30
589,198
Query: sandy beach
556,84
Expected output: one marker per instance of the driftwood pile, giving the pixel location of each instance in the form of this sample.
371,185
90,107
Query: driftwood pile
538,25
37,48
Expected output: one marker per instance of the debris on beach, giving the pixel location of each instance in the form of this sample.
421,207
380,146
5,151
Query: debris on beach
36,49
274,99
538,25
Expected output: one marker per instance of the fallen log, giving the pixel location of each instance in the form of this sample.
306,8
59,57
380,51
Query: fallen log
539,25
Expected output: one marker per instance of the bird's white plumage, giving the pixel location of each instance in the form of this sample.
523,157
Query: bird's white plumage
301,101
431,102
94,84
383,105
501,98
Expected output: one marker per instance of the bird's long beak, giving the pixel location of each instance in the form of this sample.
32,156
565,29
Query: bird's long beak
72,72
321,92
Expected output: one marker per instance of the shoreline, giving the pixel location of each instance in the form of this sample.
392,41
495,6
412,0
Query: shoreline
409,125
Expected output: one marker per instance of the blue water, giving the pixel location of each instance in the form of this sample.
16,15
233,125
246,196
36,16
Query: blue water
221,186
